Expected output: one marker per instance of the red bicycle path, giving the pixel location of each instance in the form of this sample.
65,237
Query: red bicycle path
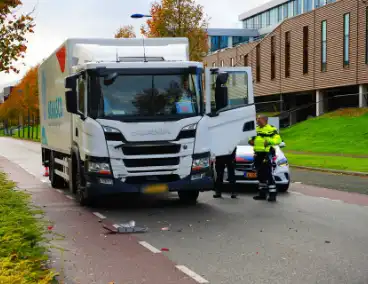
85,254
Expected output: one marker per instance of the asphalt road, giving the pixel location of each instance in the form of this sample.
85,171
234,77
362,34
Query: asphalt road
300,239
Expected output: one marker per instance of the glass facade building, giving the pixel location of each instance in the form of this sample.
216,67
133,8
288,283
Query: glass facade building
281,12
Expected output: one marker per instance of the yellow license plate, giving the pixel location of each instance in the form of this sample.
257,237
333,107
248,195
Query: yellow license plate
156,188
251,175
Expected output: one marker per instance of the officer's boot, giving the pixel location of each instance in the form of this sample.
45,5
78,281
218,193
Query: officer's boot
272,193
262,195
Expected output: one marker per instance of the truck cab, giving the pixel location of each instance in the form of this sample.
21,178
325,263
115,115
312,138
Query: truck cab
145,124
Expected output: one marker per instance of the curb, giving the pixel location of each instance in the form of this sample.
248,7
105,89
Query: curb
350,173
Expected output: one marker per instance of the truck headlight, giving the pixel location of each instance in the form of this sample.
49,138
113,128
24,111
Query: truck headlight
109,129
101,168
201,163
190,127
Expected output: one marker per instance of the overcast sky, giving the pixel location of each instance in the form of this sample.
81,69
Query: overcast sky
60,19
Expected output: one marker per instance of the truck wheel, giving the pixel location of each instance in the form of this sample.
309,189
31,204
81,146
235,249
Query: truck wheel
56,181
80,193
188,197
283,187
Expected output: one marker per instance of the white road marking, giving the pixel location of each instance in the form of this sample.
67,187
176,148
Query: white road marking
70,197
99,215
116,226
45,180
59,190
297,193
191,274
149,247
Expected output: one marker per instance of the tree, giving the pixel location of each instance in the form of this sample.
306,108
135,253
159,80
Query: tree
13,31
180,18
23,97
125,32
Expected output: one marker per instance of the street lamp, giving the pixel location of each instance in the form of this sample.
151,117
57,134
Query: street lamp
140,16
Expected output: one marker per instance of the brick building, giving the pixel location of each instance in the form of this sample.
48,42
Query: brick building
312,57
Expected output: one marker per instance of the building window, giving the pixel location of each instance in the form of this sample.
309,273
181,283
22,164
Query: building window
287,54
232,62
307,6
291,9
268,18
273,16
324,46
366,35
214,64
305,49
273,58
298,7
279,10
264,20
258,63
246,60
222,63
285,11
346,38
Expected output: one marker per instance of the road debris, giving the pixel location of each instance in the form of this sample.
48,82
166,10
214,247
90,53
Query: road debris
124,228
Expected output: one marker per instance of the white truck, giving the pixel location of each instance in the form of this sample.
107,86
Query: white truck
132,116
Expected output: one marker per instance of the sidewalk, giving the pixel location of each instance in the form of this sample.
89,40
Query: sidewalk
86,254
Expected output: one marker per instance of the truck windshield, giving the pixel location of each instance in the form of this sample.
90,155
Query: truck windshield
172,96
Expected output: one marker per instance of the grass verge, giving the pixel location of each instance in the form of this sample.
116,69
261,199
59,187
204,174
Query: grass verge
343,132
23,254
23,134
329,162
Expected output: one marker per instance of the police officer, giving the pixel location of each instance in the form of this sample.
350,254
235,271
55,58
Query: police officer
267,136
227,161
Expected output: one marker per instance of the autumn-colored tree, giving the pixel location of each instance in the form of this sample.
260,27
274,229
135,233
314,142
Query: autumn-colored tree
23,98
14,28
180,18
125,32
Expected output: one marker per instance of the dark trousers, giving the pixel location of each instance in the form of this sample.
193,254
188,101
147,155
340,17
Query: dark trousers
263,165
227,161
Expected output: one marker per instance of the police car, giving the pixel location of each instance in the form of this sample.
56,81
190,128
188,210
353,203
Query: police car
246,174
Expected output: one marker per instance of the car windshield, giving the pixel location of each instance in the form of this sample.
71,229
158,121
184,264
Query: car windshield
145,96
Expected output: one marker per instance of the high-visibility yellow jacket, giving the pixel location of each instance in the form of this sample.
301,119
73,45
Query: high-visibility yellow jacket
267,133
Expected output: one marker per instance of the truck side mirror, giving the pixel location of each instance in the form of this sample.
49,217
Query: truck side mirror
71,102
221,94
71,82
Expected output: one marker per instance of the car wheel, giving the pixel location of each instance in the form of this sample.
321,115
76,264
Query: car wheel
188,197
283,187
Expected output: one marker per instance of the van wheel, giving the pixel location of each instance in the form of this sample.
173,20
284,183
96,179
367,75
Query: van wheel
80,192
56,181
188,197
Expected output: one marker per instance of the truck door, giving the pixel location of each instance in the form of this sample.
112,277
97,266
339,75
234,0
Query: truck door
235,123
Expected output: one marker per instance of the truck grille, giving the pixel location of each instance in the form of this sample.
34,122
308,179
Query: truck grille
150,149
149,162
152,179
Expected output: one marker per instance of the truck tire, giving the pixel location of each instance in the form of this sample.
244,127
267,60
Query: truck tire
80,193
283,187
55,180
188,197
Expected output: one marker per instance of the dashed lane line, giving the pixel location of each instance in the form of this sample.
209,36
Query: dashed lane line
192,274
149,247
99,215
